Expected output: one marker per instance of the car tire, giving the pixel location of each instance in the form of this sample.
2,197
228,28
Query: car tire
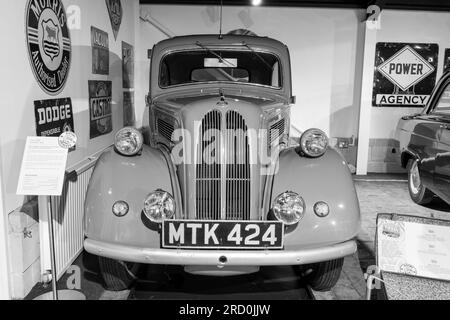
117,275
418,193
322,276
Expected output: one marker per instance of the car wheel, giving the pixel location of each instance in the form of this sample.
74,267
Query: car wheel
322,276
419,194
117,275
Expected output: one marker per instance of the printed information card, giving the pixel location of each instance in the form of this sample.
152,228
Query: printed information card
414,248
43,167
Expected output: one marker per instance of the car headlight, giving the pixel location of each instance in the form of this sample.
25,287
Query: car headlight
128,141
289,207
314,142
159,205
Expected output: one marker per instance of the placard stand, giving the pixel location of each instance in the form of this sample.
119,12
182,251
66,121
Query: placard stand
43,173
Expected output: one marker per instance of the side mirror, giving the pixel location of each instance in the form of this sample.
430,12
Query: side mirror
148,100
293,99
149,53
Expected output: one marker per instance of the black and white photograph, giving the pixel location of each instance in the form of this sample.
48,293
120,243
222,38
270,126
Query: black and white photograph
225,159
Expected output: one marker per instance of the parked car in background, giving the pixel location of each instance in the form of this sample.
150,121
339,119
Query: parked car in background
202,194
425,146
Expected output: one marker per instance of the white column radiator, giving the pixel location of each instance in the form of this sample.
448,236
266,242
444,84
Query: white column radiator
67,211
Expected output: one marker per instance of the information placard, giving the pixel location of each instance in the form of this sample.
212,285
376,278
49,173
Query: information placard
43,167
414,248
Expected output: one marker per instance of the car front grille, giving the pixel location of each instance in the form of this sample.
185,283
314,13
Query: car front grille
165,128
276,130
223,168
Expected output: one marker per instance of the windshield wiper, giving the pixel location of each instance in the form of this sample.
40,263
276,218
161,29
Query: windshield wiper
258,55
218,56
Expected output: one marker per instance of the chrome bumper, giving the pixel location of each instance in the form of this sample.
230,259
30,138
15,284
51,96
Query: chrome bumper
220,257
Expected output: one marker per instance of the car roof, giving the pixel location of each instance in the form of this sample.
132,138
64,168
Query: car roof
226,39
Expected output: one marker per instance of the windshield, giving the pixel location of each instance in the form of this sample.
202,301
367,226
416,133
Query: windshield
252,67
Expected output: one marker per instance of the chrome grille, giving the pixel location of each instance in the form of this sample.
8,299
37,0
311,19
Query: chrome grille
165,128
223,179
237,168
276,130
208,173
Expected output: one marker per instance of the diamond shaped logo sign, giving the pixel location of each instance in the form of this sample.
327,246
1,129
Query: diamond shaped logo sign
405,68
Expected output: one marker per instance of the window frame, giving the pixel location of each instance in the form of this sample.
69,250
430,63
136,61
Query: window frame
437,98
279,88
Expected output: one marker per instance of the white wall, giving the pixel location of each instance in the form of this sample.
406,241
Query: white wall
20,88
4,281
408,27
323,44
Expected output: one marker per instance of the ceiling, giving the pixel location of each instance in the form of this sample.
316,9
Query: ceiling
435,5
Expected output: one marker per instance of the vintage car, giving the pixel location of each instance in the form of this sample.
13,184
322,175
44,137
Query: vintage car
425,146
219,186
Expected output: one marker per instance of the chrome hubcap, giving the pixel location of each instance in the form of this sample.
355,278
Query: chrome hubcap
414,180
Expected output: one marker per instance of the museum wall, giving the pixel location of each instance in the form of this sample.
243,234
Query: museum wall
323,44
407,27
17,120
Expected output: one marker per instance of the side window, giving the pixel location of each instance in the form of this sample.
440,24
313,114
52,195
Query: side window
275,75
443,104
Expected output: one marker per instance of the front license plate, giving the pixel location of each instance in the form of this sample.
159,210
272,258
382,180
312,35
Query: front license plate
218,234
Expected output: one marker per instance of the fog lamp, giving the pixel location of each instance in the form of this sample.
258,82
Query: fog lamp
321,209
128,141
289,207
120,208
314,142
159,205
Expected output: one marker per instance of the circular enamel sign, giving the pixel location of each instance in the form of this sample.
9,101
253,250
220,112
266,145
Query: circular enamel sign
48,42
67,139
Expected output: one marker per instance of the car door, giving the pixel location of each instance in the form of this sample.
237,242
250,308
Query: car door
424,144
442,163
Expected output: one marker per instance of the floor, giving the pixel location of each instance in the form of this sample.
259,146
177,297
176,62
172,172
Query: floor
376,193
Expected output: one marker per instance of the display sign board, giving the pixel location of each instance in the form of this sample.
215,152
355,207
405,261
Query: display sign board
127,65
115,15
100,111
53,117
48,42
405,74
414,248
128,108
43,167
100,51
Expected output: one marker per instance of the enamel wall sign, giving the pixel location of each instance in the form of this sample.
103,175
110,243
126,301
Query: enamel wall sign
100,98
100,51
48,42
405,74
115,15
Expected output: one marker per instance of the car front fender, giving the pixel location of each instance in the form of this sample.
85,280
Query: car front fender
327,179
131,179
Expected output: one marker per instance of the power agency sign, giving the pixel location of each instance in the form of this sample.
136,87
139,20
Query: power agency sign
405,74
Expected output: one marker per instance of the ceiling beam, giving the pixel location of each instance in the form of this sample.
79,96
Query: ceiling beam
433,5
